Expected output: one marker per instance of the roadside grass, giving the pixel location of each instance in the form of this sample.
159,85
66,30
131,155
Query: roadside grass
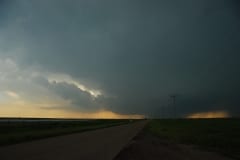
221,135
21,131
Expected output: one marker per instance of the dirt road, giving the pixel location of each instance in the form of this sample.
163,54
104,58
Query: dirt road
102,144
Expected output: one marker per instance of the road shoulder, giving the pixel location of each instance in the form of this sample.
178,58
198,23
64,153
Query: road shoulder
145,146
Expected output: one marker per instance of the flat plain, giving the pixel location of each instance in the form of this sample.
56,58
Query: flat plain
17,130
184,139
170,139
101,144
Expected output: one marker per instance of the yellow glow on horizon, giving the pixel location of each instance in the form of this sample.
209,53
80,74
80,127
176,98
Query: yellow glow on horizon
112,115
56,108
214,114
24,110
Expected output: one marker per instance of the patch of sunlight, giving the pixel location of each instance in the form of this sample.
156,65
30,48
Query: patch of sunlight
213,114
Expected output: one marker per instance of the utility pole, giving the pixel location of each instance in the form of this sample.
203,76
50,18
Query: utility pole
173,98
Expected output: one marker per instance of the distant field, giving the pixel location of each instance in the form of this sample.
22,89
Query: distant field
222,135
20,130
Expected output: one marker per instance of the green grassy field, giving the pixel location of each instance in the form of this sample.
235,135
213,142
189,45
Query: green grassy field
12,132
221,135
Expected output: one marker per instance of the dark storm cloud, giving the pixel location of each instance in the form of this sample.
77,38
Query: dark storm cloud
138,52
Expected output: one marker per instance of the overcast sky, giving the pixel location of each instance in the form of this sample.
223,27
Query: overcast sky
83,58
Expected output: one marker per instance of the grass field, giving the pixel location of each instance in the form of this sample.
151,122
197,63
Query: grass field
221,135
20,130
